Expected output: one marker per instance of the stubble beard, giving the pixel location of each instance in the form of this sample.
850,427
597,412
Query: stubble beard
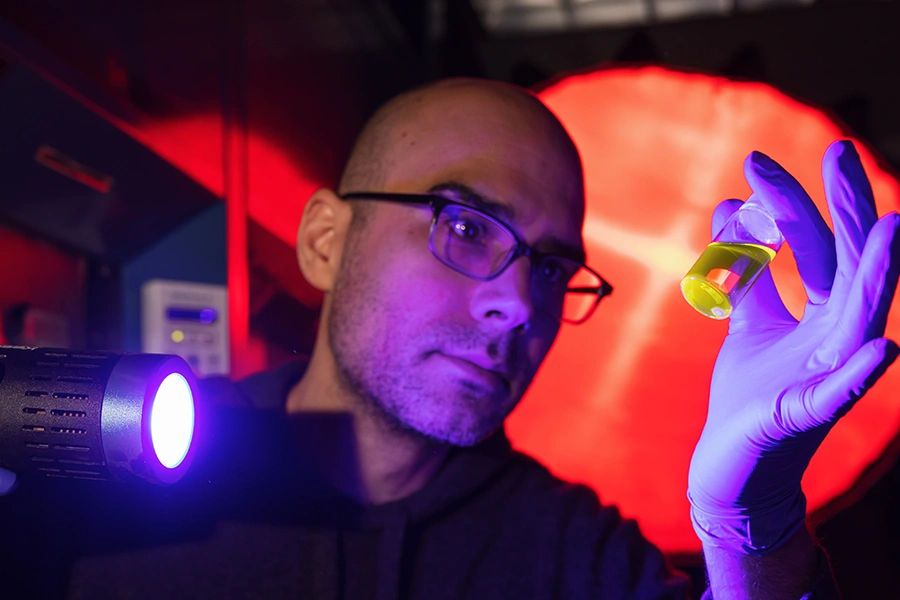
363,372
375,378
375,382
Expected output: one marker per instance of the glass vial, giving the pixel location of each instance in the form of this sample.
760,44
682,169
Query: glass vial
733,261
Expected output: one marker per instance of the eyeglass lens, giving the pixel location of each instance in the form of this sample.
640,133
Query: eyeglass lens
479,246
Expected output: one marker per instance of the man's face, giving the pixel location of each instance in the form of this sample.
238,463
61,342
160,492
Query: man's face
434,350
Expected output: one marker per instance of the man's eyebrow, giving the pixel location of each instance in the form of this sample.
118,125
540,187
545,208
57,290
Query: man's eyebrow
558,248
467,195
507,213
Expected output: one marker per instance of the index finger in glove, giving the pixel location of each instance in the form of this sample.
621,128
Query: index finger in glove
799,221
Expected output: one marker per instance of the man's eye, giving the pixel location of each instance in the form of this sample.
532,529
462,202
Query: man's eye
553,271
550,272
467,231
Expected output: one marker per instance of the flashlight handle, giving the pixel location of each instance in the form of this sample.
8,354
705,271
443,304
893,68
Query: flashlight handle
72,414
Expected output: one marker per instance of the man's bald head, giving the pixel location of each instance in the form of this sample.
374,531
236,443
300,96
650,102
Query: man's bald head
395,124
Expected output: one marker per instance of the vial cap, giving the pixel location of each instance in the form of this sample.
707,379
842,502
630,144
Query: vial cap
757,225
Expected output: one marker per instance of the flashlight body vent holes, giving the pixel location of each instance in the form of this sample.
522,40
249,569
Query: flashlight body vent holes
71,414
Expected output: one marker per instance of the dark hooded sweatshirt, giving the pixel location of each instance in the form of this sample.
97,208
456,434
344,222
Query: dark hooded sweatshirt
249,522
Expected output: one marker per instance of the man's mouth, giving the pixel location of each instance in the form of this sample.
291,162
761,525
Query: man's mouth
479,368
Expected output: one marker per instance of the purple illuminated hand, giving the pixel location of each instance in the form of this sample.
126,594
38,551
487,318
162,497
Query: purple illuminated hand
778,385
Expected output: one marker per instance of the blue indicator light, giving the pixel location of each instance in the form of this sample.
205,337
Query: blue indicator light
206,316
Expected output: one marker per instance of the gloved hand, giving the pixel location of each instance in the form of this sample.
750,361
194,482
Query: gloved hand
778,385
8,482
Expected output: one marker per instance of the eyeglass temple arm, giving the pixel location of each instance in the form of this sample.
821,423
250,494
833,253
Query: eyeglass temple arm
603,290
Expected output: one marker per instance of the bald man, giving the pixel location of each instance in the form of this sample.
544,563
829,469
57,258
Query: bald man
381,470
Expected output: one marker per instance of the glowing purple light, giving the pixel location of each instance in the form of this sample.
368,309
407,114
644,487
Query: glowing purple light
172,420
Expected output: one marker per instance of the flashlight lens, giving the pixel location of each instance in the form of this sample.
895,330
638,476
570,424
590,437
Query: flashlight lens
172,420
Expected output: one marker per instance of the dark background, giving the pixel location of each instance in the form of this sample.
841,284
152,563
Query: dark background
304,75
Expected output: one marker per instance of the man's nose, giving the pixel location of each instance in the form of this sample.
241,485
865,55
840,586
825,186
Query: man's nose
505,302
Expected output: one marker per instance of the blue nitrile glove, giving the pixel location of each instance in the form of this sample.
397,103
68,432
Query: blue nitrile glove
7,482
778,385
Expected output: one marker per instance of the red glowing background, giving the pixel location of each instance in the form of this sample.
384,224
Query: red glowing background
621,400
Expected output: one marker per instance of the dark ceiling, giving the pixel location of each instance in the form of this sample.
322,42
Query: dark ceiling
315,68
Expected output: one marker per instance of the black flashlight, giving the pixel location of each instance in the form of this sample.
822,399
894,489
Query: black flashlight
96,415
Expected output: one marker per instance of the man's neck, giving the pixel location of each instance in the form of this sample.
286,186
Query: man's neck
374,462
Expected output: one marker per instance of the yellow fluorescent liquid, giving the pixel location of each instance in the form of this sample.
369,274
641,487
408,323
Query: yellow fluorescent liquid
722,275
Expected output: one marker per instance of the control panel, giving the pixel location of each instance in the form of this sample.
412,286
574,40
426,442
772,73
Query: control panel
188,319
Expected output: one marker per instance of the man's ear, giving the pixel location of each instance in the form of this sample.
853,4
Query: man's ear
321,236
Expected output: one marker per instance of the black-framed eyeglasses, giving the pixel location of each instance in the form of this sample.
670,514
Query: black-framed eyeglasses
478,245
